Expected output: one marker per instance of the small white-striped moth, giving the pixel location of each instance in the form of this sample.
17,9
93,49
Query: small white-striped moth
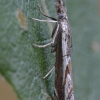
61,38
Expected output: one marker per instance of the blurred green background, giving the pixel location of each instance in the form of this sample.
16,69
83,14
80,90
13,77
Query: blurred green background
24,66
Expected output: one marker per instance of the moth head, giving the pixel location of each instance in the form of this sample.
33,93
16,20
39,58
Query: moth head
61,16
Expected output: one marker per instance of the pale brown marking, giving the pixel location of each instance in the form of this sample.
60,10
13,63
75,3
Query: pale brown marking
69,66
69,94
66,72
21,18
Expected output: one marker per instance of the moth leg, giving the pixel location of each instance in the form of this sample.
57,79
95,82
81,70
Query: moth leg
42,46
45,14
54,41
50,43
51,21
48,73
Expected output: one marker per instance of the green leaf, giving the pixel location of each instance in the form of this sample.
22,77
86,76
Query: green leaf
24,66
84,20
20,63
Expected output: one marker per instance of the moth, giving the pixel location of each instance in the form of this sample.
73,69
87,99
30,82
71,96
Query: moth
61,44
